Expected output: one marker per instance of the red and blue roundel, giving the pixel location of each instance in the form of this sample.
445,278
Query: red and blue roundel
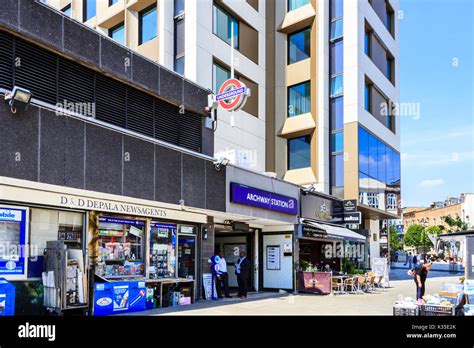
232,95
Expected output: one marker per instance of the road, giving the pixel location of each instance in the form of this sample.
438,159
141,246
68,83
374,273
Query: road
378,303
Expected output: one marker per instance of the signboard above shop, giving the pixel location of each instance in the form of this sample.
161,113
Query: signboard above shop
254,197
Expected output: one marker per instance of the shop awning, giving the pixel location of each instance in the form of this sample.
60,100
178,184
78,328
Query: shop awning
336,232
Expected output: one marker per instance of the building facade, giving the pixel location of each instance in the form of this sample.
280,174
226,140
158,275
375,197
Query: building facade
193,38
461,207
335,75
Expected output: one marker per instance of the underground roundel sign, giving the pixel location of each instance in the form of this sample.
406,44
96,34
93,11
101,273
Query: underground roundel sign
232,95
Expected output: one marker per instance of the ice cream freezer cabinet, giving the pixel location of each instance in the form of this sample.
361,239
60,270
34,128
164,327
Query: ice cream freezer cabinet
119,297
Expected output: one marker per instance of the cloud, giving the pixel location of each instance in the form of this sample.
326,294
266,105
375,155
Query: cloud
431,183
437,135
436,158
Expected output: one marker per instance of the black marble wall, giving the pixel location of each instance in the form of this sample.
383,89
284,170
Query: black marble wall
38,145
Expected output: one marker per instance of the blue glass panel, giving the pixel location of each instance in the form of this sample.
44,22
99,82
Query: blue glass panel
222,26
396,163
336,29
336,86
381,162
90,10
390,166
299,99
148,25
363,151
299,152
337,170
336,54
337,142
299,46
337,113
367,43
294,4
336,8
367,97
373,148
118,34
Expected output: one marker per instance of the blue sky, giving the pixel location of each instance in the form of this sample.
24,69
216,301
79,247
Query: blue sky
437,149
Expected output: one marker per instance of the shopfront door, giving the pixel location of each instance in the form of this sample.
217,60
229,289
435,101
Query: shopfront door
186,257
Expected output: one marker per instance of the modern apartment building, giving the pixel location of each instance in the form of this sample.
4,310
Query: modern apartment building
333,73
323,74
193,38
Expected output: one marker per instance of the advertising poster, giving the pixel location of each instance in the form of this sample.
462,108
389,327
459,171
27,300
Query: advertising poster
121,294
314,282
209,289
13,227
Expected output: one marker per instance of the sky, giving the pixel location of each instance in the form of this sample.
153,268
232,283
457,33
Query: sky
436,71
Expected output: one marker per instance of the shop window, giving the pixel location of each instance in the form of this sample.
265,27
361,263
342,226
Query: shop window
222,26
299,46
121,247
162,250
299,99
118,33
299,152
148,24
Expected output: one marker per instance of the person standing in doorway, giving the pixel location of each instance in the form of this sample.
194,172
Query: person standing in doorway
242,270
420,278
222,281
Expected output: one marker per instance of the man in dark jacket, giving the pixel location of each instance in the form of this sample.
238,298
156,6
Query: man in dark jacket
242,270
421,273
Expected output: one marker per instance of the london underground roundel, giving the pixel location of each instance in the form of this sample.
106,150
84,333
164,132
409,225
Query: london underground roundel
232,95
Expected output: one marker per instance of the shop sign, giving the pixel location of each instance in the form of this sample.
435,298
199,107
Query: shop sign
353,218
350,206
232,95
120,208
322,208
187,229
129,222
254,197
13,249
313,232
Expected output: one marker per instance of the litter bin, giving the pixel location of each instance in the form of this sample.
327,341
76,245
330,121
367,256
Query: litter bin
7,298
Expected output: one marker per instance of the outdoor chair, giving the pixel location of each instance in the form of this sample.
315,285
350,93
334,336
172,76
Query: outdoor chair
350,283
378,283
362,284
370,284
337,285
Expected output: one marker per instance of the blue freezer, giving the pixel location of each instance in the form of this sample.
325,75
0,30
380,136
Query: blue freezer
119,297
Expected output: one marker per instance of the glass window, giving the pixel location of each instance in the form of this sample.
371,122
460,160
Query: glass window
392,202
162,250
222,24
336,54
294,4
90,7
113,2
373,199
336,86
118,33
390,166
337,113
299,152
336,29
337,170
299,46
178,7
381,162
367,43
121,247
337,142
299,99
373,153
363,151
179,65
336,8
367,98
220,75
396,163
67,10
388,71
148,21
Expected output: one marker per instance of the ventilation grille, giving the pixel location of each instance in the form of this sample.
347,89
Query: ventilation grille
6,61
54,79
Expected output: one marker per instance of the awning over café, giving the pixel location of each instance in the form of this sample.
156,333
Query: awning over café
312,229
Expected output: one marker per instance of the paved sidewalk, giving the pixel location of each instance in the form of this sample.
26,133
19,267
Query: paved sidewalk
267,303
